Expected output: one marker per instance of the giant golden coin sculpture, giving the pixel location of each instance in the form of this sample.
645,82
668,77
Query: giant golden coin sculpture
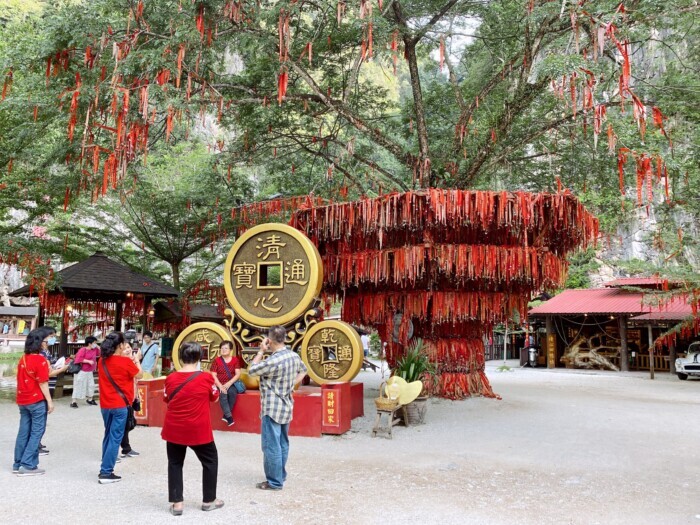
208,335
273,275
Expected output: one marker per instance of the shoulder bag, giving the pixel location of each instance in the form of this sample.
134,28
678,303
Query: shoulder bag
143,356
238,384
130,417
171,396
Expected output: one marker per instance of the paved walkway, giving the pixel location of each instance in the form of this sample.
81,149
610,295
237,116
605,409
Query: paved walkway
562,447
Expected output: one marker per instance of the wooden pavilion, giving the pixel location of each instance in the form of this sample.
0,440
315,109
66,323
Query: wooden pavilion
613,327
102,288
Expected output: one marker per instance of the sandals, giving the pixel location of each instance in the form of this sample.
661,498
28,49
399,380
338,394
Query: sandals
174,511
264,485
216,504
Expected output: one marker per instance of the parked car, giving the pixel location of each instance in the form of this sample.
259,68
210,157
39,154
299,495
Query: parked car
690,364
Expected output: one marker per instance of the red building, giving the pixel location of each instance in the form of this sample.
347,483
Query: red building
611,327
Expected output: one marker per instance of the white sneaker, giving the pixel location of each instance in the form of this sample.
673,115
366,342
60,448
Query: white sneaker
23,471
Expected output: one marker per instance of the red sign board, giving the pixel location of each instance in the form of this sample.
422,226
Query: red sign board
331,408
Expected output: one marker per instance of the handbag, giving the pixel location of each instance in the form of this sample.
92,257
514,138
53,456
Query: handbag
238,384
74,368
136,405
130,417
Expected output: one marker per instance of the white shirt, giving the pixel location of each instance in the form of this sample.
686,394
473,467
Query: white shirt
365,341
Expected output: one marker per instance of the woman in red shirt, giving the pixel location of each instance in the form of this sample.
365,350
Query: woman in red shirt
188,393
34,401
115,373
226,370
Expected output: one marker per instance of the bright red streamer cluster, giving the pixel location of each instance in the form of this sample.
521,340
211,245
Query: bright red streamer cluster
453,263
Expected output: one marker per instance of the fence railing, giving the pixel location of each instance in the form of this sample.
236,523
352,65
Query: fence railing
495,351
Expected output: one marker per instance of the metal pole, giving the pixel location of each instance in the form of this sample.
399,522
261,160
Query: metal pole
505,344
651,352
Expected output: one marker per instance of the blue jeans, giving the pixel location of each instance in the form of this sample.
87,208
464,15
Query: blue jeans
32,423
275,447
115,422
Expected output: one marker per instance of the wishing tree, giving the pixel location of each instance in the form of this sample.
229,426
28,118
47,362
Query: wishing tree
91,88
452,263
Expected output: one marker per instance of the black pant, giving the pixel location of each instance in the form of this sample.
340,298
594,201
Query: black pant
126,446
208,457
228,401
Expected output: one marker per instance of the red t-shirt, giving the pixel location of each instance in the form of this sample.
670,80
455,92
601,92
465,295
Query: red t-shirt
123,370
218,366
187,420
32,370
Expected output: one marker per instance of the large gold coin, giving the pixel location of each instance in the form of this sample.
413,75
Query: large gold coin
332,351
208,335
273,274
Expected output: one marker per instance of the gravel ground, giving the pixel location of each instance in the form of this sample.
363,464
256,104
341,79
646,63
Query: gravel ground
561,447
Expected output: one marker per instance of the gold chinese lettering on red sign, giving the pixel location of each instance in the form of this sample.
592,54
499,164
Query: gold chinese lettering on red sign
331,409
332,351
273,274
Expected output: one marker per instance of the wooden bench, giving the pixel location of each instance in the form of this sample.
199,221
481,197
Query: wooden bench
63,382
369,364
394,416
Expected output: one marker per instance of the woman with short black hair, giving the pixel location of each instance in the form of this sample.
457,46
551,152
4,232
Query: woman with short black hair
83,381
116,373
188,393
34,402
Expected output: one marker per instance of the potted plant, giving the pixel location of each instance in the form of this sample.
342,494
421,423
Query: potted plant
415,365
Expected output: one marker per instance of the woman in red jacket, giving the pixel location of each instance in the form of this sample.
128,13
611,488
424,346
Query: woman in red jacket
188,393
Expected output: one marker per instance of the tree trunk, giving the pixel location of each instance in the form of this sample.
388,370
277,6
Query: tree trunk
176,274
423,168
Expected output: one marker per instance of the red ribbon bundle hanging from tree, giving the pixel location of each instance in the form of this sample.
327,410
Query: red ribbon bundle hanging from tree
453,263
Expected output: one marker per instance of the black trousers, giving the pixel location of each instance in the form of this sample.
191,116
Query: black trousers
208,457
126,446
228,400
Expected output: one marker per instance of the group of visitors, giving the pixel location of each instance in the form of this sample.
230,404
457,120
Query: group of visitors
187,393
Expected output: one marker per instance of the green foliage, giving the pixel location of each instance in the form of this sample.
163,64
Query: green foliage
581,265
415,364
177,211
375,344
491,119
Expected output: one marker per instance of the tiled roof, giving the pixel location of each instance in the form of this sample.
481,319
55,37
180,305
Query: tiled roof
20,311
99,274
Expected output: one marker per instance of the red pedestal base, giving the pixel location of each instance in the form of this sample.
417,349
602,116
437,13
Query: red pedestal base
308,409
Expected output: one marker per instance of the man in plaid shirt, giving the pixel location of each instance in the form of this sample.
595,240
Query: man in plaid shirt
279,374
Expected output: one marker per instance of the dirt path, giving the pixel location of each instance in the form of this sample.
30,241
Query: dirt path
560,448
